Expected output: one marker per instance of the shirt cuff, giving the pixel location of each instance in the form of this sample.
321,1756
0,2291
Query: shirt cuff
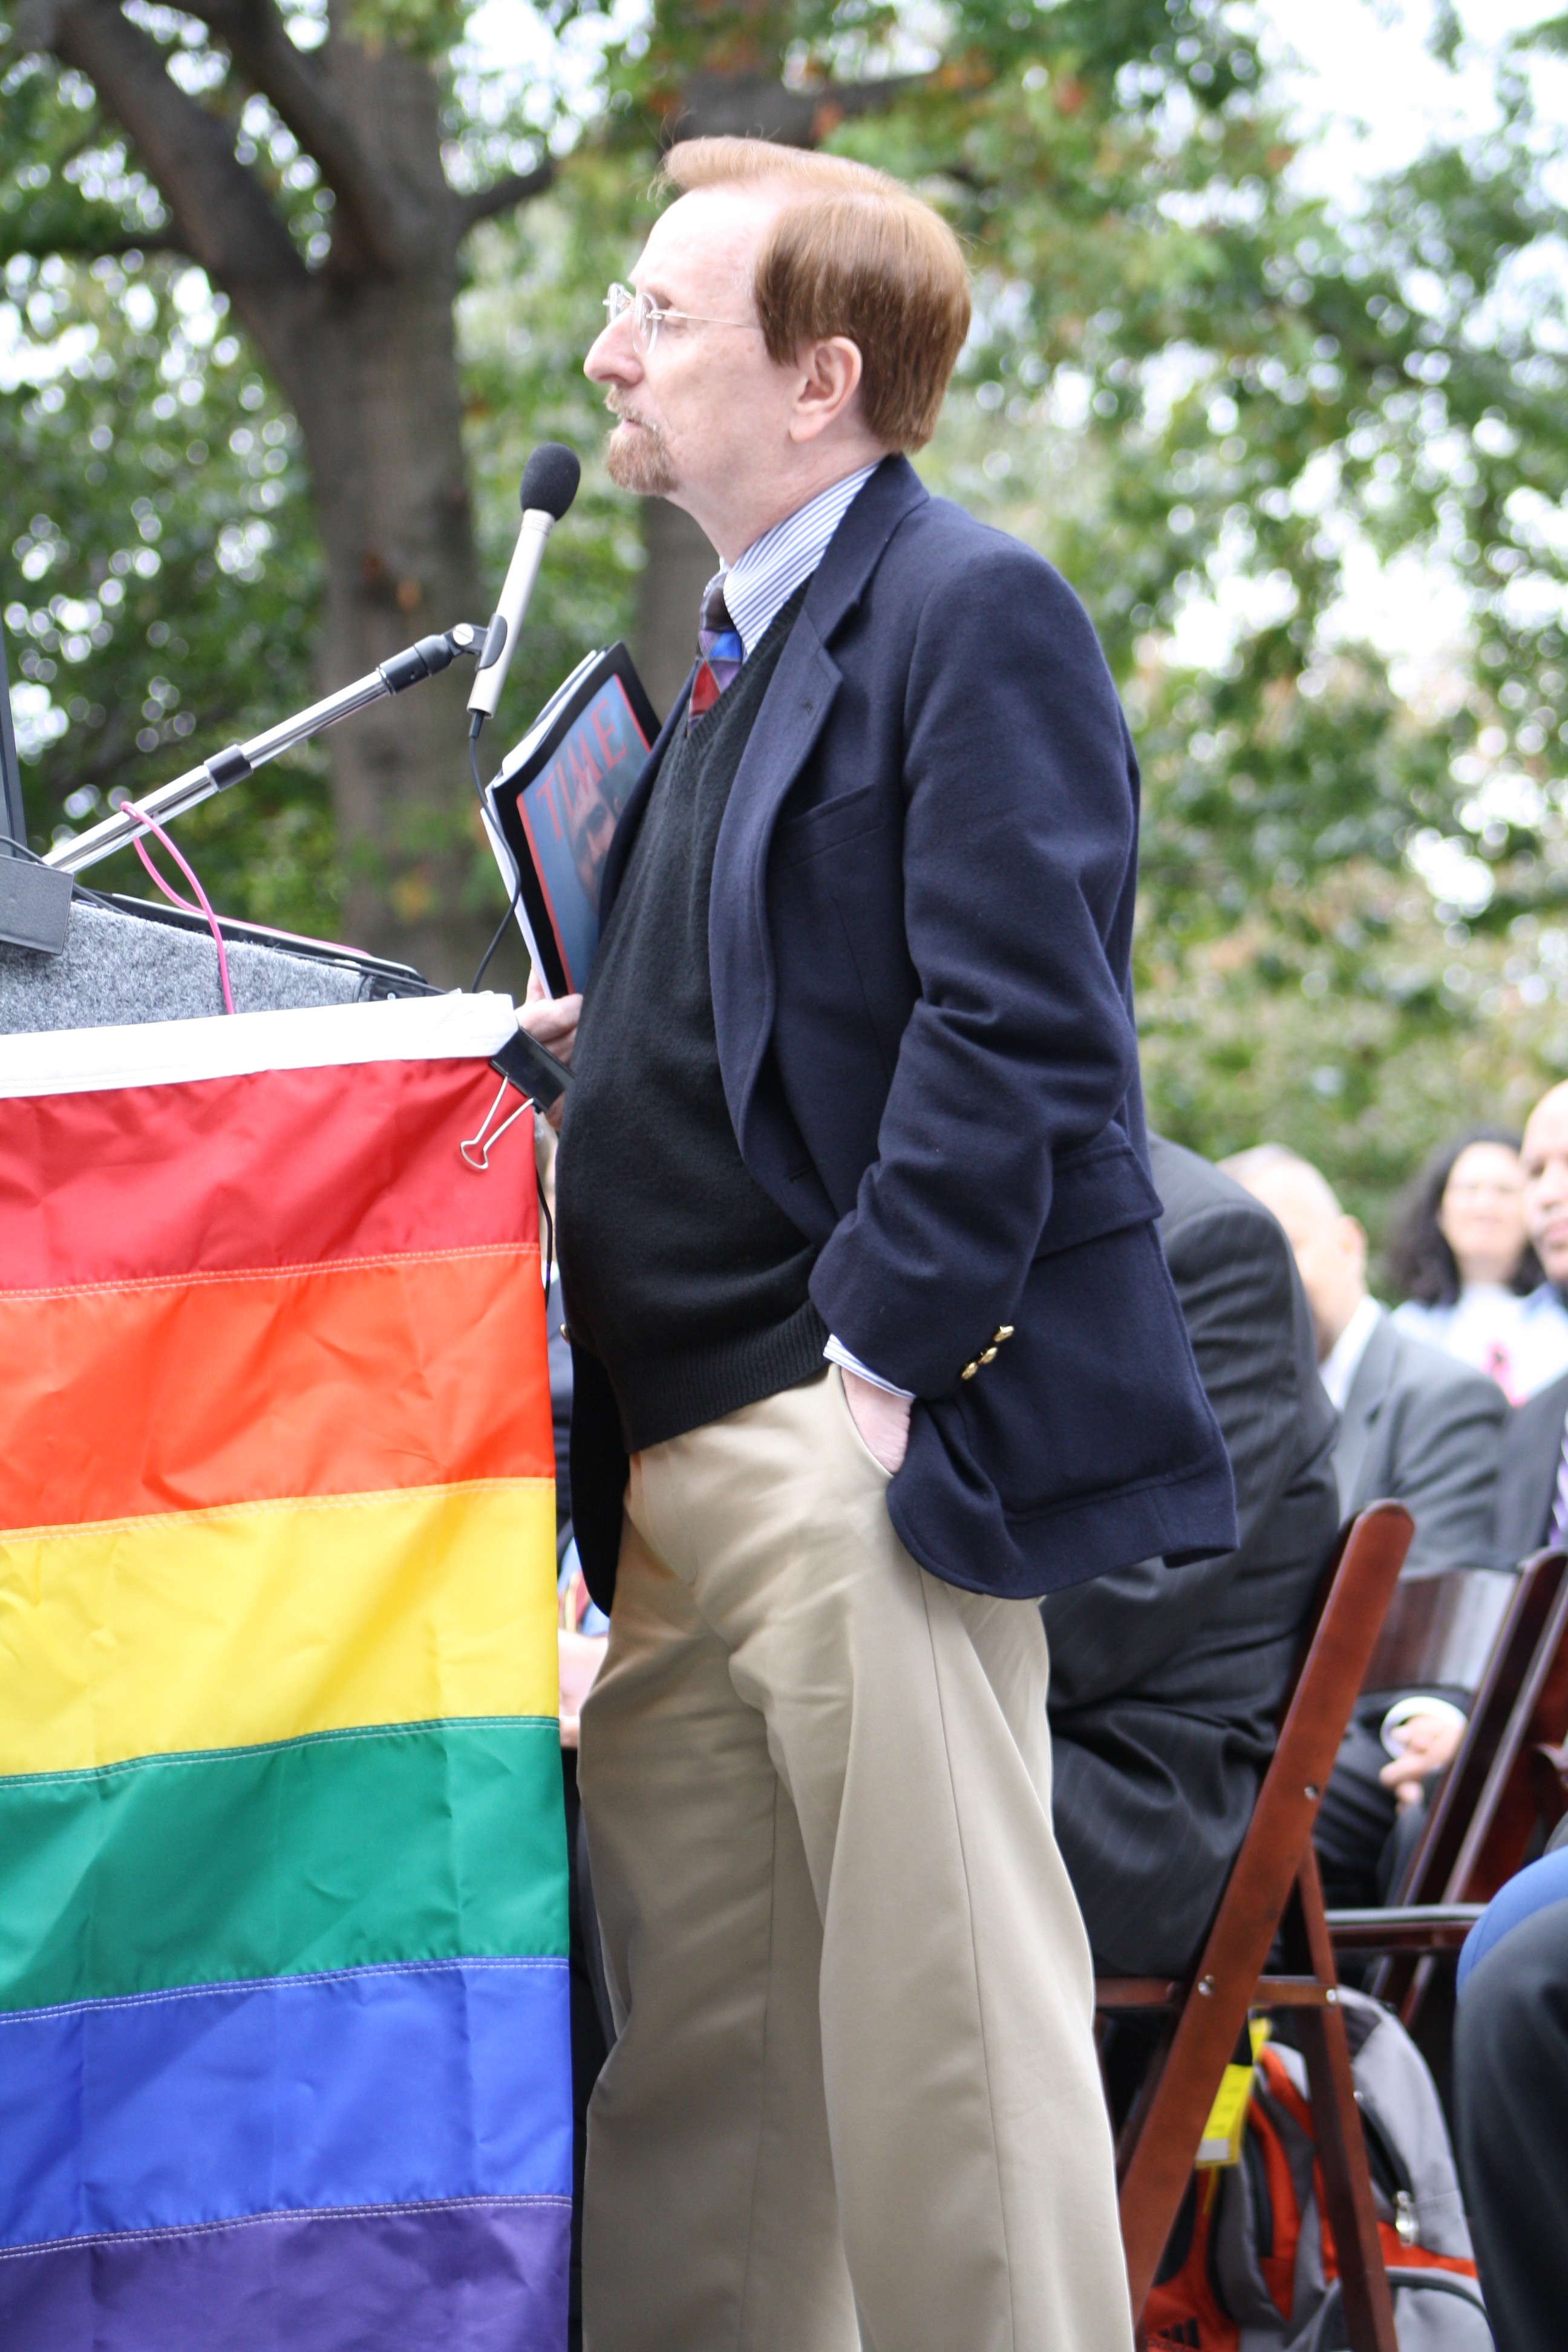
838,1354
1404,1710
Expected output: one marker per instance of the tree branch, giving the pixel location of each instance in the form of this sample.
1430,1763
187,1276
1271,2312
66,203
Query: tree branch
295,87
839,99
160,240
85,247
221,217
517,187
60,219
756,106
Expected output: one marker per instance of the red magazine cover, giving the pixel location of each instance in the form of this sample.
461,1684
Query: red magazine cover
555,805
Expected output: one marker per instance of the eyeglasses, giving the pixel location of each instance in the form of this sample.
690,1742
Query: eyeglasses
646,318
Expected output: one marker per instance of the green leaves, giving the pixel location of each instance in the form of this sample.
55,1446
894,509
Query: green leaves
159,584
69,186
421,28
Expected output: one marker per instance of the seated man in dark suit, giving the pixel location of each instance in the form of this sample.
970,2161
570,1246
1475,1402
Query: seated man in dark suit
1165,1682
1530,1473
1533,1485
1417,1427
1510,2097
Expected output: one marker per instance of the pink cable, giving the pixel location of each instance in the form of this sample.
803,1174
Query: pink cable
187,906
173,897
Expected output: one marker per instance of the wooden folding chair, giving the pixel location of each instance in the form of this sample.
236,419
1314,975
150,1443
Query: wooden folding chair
1273,1885
1500,1782
1441,1630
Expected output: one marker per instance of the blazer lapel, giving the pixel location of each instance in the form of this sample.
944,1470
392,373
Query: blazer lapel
793,712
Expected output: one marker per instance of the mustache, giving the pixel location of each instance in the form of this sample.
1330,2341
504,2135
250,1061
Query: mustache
625,413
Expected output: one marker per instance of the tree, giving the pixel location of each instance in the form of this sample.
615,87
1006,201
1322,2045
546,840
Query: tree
1195,389
298,160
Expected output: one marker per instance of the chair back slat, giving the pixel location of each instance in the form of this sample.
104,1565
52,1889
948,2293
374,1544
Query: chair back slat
1357,1591
1358,1587
1499,1836
1428,1875
1441,1630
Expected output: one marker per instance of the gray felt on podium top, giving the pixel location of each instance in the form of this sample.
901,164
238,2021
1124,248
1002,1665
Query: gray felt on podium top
117,968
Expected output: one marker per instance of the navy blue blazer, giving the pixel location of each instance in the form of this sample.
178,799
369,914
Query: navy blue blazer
919,938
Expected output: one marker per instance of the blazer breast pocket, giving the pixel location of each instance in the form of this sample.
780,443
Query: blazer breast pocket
830,824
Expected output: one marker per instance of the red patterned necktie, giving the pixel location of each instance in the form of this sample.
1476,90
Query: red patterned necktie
719,654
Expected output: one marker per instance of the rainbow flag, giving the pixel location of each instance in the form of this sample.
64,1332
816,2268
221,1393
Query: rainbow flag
284,2057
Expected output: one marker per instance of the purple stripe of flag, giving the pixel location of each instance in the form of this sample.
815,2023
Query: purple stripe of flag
479,2277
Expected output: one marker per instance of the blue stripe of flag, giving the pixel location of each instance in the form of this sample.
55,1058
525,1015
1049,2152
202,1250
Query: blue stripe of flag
369,2086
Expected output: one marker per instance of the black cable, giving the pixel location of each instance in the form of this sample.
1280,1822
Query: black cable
475,723
94,897
500,934
549,1233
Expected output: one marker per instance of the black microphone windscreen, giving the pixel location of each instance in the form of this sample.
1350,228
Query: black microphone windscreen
549,480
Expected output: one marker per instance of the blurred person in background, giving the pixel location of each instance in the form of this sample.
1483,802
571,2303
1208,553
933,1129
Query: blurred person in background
1416,1428
1511,2040
1461,1260
1167,1682
1532,1484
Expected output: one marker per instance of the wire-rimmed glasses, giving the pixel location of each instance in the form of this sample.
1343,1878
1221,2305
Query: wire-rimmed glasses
646,317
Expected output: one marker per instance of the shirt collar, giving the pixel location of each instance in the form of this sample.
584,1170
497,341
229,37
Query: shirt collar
1341,1365
767,575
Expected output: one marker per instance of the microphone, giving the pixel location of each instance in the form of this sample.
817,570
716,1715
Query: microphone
549,482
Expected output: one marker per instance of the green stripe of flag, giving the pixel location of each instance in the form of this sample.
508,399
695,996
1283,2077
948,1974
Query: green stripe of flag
405,1842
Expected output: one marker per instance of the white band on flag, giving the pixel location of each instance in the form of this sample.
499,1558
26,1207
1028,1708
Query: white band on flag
174,1053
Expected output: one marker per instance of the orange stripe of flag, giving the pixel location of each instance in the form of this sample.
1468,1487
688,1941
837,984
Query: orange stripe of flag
356,1377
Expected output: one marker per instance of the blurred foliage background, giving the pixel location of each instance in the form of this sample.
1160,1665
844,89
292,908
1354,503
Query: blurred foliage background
1201,389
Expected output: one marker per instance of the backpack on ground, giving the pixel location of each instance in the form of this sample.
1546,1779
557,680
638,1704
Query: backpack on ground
1251,2265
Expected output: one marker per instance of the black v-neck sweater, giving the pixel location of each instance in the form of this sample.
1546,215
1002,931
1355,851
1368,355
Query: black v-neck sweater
680,1274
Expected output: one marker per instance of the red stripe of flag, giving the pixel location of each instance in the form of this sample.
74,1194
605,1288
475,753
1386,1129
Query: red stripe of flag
282,1167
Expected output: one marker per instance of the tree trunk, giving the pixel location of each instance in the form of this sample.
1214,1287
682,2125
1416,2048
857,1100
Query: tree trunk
372,376
367,356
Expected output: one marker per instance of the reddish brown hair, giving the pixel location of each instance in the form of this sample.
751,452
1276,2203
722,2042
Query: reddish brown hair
853,253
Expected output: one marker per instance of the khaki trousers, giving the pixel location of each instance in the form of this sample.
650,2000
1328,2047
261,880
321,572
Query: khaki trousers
854,2100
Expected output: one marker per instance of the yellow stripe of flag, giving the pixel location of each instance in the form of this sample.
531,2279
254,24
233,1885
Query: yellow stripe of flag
265,1621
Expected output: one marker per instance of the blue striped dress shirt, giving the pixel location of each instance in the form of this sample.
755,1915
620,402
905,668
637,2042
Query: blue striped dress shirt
773,566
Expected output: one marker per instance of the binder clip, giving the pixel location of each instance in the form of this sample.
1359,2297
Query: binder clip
523,1064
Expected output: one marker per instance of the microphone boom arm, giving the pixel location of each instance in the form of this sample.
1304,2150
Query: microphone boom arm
118,829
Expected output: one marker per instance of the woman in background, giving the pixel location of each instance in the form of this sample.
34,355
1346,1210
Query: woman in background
1459,1257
